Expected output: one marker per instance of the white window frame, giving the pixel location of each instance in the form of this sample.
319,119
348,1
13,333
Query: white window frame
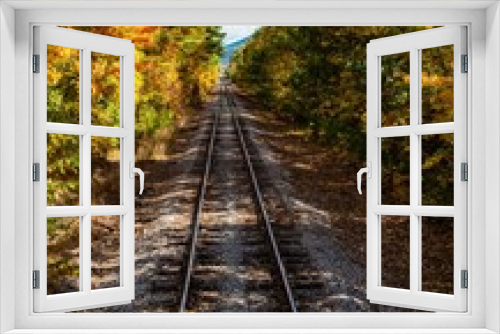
484,308
412,44
86,297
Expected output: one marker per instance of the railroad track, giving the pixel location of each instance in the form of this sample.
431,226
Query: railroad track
233,262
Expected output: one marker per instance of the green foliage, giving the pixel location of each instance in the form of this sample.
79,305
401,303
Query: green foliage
176,69
315,77
63,85
63,254
63,158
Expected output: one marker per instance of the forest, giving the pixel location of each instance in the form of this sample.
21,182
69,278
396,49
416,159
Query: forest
176,69
315,78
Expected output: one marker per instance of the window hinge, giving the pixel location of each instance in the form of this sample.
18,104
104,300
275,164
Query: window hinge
36,63
464,172
36,172
465,63
464,279
36,279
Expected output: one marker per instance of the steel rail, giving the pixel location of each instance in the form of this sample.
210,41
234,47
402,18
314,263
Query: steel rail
284,278
195,221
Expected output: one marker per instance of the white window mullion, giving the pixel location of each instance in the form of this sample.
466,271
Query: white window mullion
86,264
103,131
40,156
78,129
96,210
373,183
414,169
433,129
123,172
460,155
392,210
378,219
420,210
86,120
123,163
421,129
127,119
392,131
416,118
434,211
81,227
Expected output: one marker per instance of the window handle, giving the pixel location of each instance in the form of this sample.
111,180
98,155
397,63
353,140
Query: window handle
368,171
134,170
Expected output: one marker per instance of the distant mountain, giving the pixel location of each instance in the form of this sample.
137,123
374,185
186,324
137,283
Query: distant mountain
231,48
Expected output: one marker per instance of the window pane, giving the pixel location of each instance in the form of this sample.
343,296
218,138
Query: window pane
395,86
63,254
437,84
395,171
63,169
395,232
105,252
63,85
437,254
437,169
105,89
105,186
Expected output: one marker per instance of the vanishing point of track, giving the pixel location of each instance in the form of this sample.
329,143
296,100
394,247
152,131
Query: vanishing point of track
261,244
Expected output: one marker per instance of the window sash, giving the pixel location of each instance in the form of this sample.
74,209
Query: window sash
86,297
413,43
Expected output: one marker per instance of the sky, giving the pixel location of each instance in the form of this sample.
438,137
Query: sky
235,33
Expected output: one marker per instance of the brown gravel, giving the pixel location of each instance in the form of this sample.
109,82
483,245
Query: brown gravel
234,269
